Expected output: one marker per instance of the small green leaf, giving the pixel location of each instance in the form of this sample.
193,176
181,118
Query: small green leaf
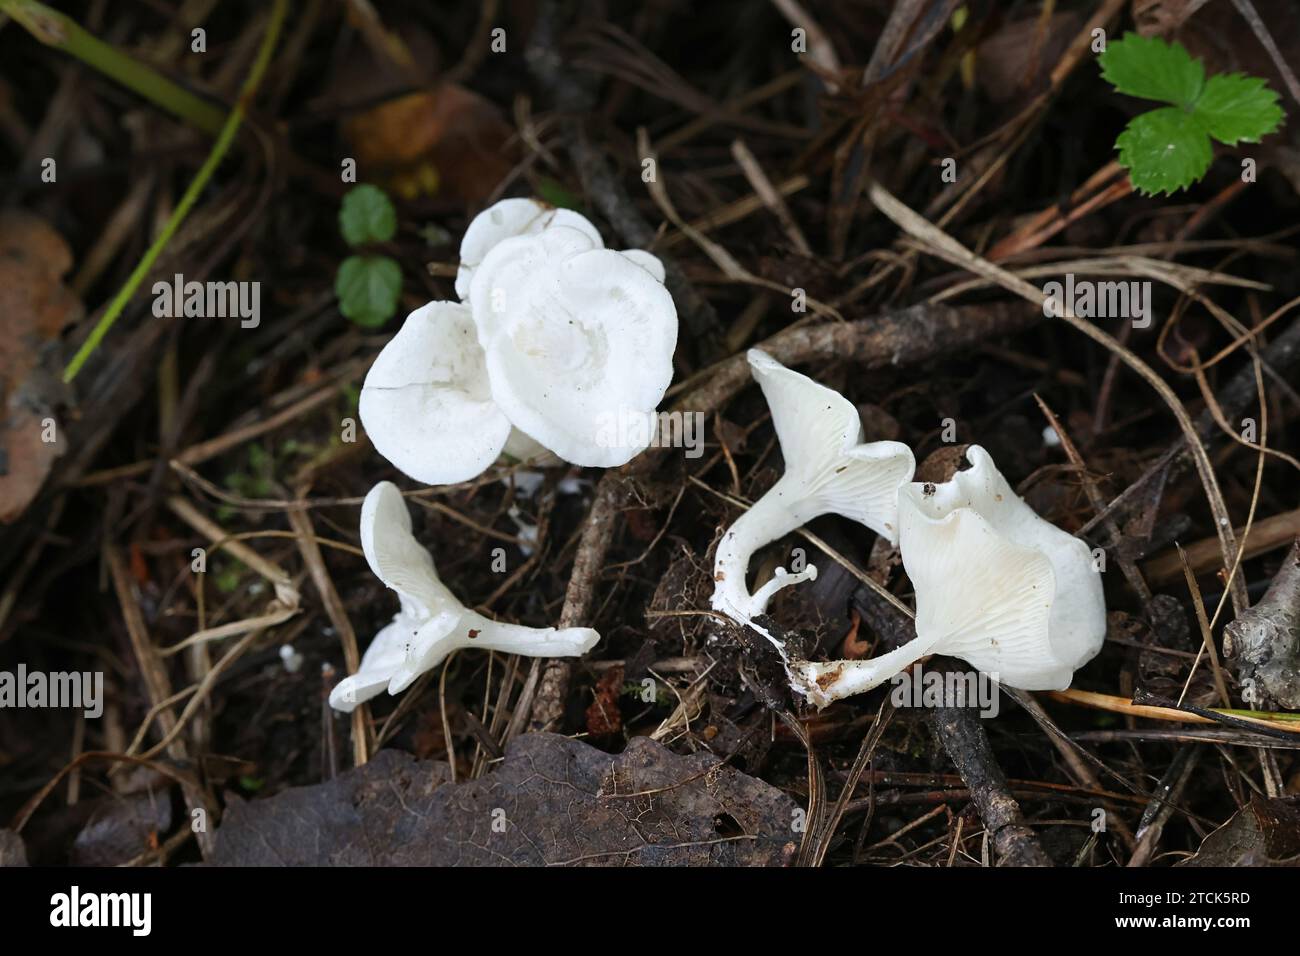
367,288
228,578
1236,107
1152,69
1164,150
259,462
367,215
557,195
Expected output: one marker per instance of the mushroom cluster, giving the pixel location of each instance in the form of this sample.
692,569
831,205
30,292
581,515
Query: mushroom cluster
562,348
558,345
995,584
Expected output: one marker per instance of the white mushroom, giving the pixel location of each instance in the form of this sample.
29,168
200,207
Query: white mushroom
562,348
432,622
827,470
426,403
996,585
509,218
578,343
647,261
510,264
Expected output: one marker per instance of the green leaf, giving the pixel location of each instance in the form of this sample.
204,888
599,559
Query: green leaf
1169,149
555,194
367,215
367,288
1152,69
1235,107
1164,150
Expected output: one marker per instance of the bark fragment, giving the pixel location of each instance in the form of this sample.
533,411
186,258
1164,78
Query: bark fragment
1264,642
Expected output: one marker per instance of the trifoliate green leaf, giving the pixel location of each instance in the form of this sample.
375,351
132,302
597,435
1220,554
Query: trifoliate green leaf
367,288
1153,69
1164,150
1169,149
367,215
1235,107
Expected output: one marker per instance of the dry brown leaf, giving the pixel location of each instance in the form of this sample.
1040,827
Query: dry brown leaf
35,307
1263,833
552,801
448,140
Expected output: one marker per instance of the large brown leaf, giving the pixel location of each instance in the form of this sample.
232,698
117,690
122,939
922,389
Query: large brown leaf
552,801
1263,833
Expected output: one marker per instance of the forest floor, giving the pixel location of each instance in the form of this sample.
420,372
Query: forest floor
874,193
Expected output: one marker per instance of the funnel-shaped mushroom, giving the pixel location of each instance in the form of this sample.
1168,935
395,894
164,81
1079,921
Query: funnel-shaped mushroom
432,622
827,470
996,585
426,402
507,219
579,343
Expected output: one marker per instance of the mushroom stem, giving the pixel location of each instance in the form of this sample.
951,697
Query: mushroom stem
473,630
823,682
769,518
479,631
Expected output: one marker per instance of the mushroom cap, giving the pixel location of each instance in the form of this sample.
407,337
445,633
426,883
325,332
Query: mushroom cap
647,261
495,292
426,403
581,353
996,584
509,218
821,442
390,649
397,559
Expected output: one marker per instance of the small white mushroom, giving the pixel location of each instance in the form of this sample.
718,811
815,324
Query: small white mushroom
827,470
426,403
432,622
509,218
578,344
291,659
996,585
